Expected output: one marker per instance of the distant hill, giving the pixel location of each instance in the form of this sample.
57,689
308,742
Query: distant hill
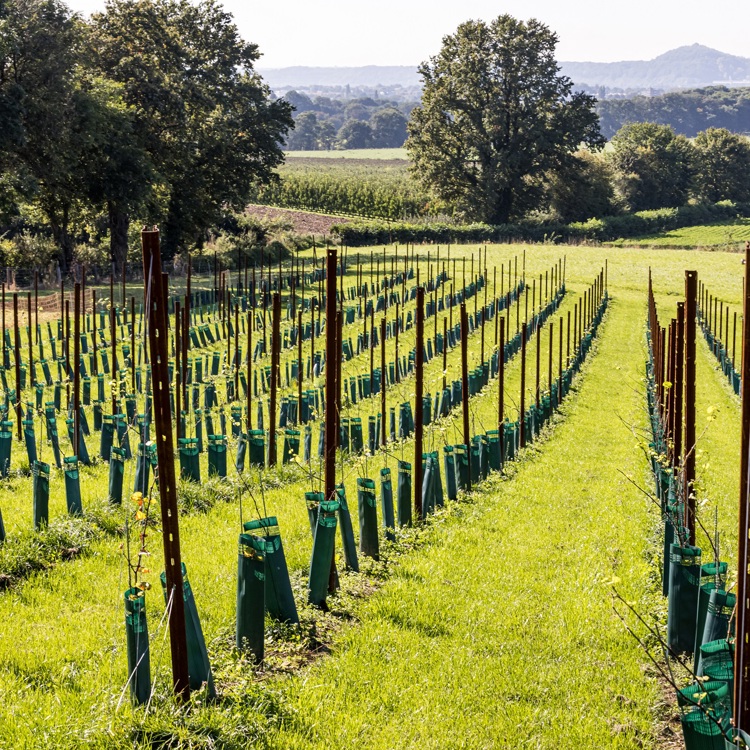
685,67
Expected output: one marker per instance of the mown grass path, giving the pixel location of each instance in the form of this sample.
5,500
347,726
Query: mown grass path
501,634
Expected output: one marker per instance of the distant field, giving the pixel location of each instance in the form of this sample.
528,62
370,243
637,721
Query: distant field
356,153
720,235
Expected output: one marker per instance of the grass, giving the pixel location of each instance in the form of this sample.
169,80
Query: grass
726,235
490,627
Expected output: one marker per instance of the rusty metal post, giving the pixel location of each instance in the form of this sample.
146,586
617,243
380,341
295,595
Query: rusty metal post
549,364
76,368
383,383
522,404
156,305
330,384
742,640
501,389
249,360
465,384
688,460
300,366
538,366
36,305
132,342
17,341
275,356
31,344
418,405
94,336
398,325
177,370
679,383
113,340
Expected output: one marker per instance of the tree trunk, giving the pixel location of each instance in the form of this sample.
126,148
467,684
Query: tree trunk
62,238
119,223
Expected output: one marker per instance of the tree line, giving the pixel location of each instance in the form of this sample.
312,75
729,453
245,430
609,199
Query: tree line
322,123
149,109
687,112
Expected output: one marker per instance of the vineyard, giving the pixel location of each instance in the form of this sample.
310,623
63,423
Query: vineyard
420,494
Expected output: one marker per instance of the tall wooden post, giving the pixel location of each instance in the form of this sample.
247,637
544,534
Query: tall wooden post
688,461
76,369
158,332
742,637
418,405
275,368
465,384
17,340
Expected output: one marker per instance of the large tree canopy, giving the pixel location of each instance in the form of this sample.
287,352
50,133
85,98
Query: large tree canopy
496,117
202,114
652,165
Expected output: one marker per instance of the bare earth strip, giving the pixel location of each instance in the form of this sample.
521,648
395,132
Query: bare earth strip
301,221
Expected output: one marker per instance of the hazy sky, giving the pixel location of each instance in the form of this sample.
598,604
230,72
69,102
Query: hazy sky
405,32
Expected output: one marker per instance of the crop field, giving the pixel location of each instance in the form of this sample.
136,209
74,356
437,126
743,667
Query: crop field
352,153
357,185
489,623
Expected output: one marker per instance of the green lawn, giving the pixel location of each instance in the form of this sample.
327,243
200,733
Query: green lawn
728,235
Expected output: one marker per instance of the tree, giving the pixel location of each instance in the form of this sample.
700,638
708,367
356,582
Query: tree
202,114
42,110
304,137
652,165
722,166
354,134
495,117
388,128
586,190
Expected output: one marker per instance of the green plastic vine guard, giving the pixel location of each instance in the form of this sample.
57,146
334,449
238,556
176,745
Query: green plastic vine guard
257,447
312,502
347,532
704,726
386,504
322,552
684,581
291,445
139,661
449,463
369,543
217,456
713,578
6,441
278,592
199,668
72,486
40,473
251,597
116,475
495,459
143,462
403,494
717,660
107,436
190,467
720,607
428,485
239,462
